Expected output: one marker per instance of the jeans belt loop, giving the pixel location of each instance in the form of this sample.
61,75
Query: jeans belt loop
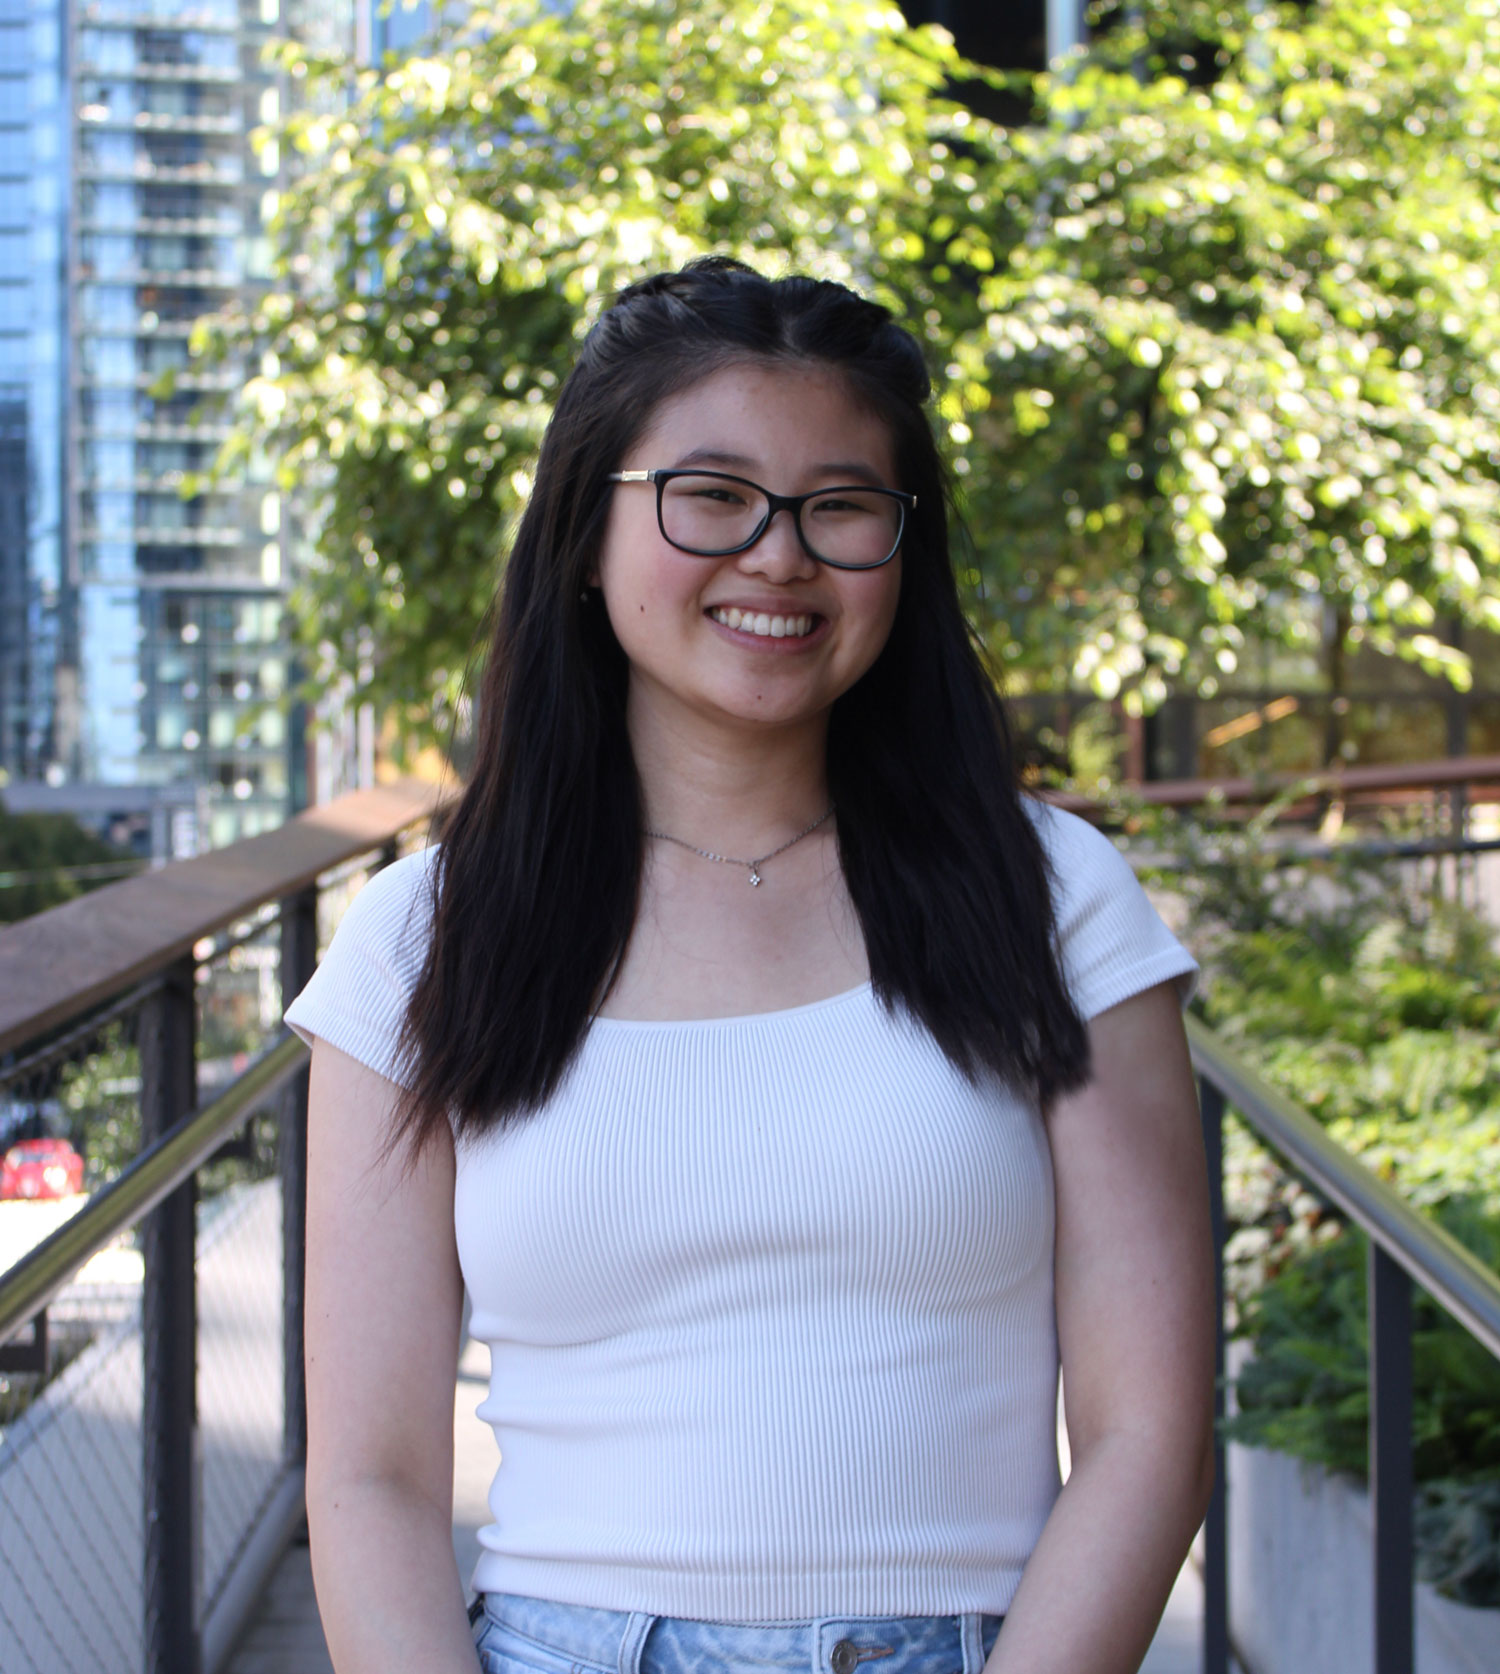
633,1641
971,1635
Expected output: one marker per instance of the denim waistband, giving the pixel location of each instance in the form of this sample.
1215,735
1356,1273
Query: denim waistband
634,1642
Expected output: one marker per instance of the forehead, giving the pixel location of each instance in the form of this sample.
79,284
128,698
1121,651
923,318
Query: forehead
772,417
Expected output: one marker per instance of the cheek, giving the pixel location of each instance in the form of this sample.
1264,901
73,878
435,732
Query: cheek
631,618
614,568
652,606
623,573
875,606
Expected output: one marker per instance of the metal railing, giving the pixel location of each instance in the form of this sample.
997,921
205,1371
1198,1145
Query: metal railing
1403,1247
129,950
1427,813
131,957
1456,773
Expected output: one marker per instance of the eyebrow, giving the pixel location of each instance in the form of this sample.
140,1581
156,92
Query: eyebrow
851,470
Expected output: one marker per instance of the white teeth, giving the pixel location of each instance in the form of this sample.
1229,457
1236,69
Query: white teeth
763,624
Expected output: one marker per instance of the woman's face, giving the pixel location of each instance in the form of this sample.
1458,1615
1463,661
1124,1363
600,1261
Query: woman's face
791,430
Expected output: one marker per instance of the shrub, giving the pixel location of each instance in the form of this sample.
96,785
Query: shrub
1374,1002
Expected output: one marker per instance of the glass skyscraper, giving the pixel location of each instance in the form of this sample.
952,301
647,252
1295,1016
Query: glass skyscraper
178,602
34,194
142,639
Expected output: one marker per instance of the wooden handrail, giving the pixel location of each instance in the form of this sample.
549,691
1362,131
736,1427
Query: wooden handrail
57,965
1333,781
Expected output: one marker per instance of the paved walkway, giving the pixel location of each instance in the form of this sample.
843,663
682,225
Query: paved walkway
70,1493
286,1637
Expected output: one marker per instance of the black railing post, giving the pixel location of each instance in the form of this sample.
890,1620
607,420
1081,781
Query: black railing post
299,954
169,1344
1215,1524
1391,1475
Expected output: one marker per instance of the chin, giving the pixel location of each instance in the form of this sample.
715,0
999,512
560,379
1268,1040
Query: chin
766,710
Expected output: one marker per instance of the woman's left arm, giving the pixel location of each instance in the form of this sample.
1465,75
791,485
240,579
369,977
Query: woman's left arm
1135,1297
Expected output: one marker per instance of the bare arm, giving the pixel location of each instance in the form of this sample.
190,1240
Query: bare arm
1134,1276
384,1296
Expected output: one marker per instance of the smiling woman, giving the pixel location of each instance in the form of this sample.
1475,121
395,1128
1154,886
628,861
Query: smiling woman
777,1206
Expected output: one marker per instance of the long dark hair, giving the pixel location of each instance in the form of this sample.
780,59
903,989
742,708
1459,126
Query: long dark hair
538,875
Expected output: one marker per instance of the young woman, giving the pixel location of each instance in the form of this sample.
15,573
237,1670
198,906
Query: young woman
789,1091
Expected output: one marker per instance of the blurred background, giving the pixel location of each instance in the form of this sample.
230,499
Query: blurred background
285,289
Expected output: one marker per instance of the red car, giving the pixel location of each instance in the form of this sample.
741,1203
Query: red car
41,1168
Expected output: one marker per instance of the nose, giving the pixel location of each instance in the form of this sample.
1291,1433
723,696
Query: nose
779,555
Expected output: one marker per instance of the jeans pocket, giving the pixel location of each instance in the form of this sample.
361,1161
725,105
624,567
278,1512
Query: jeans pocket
504,1651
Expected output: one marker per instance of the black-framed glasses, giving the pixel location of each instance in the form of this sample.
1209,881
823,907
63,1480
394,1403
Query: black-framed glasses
713,515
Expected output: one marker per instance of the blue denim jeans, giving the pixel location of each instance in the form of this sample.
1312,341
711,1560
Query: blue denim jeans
517,1635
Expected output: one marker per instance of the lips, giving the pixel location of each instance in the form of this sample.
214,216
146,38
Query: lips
765,624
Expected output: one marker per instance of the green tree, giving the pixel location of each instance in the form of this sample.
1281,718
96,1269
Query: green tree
1239,356
455,227
46,859
1210,356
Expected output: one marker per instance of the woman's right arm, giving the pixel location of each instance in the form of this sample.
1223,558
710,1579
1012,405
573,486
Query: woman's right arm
384,1295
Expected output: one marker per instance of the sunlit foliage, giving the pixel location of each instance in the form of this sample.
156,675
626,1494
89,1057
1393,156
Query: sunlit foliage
1216,334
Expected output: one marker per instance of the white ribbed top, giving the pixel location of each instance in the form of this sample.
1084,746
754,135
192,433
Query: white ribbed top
769,1298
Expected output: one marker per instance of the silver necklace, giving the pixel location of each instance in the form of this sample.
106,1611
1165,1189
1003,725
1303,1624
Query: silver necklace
730,860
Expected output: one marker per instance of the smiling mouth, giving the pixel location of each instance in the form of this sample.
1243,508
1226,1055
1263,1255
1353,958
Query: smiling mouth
764,625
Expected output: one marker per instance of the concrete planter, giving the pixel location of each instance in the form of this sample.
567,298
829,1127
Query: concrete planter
1300,1589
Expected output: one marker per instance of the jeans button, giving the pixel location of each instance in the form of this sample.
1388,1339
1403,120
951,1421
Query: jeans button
843,1658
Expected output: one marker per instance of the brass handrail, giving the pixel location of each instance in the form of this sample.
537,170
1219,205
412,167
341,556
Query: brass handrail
158,1170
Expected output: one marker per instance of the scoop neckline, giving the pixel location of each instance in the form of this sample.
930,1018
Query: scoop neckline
740,1018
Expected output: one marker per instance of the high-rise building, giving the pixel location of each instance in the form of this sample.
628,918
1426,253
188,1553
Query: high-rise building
34,191
390,26
142,632
177,602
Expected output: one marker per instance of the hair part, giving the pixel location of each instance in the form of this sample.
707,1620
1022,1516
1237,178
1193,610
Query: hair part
537,881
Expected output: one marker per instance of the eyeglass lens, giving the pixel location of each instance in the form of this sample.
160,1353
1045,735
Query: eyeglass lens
707,515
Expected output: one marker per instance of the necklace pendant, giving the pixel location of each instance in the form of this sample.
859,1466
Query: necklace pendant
754,878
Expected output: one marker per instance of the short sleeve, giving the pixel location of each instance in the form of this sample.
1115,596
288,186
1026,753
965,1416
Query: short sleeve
358,995
1112,940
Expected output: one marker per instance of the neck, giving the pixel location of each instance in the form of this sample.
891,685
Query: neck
733,787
